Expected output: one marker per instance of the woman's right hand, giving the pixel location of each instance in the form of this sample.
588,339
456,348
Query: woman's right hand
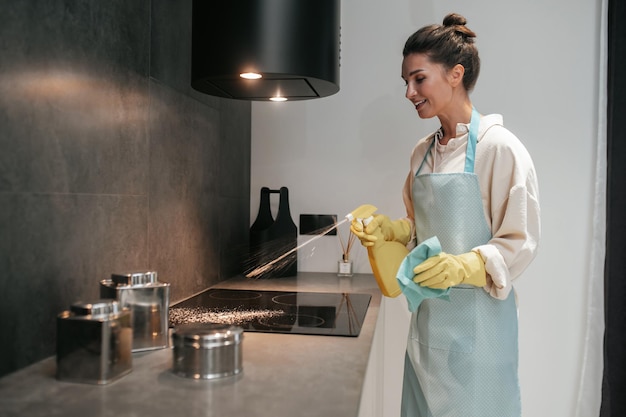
394,230
365,233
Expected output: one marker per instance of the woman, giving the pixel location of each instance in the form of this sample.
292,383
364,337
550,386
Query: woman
472,184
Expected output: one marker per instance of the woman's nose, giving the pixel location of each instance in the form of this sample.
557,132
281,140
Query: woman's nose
410,91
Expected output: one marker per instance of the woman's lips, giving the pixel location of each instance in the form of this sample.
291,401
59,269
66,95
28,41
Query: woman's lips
419,104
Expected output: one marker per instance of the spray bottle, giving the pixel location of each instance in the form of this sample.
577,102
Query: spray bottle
385,256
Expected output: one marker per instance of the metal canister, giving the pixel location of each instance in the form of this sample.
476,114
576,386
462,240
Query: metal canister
94,341
207,350
148,300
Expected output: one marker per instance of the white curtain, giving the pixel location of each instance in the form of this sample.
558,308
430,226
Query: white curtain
590,388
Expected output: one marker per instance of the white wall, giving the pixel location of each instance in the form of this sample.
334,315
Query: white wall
539,70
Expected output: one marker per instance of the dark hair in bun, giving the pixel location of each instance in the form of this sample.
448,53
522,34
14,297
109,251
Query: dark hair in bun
448,44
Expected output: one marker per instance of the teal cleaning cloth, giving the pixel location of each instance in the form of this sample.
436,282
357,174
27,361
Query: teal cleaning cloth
413,292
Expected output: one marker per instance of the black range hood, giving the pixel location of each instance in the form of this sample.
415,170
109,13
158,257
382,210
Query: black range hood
293,45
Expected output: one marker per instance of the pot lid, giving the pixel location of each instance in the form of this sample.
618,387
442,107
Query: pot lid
206,335
96,308
135,278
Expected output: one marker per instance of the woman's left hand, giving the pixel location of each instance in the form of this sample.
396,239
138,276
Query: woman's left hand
444,270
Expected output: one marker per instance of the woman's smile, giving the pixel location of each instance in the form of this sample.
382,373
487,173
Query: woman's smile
419,104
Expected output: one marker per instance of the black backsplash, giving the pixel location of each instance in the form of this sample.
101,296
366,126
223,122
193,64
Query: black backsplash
109,161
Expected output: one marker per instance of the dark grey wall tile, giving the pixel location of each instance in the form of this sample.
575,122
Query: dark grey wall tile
171,48
103,170
234,233
235,148
234,185
184,173
74,96
97,34
55,248
171,43
65,131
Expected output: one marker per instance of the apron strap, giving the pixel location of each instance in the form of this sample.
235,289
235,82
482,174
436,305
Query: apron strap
425,156
472,139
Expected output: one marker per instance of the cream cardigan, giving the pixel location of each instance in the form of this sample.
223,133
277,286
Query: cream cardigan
510,195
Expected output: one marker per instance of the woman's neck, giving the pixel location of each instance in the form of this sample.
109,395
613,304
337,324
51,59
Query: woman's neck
449,120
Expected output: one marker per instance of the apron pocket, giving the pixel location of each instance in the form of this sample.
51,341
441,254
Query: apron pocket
447,324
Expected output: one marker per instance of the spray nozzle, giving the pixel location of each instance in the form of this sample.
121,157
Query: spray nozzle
362,213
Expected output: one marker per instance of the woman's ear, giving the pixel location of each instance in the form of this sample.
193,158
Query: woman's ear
455,75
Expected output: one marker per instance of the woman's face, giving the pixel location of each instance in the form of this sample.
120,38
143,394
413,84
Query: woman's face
428,85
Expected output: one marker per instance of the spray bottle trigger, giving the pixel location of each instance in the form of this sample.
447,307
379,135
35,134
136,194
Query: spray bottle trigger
367,221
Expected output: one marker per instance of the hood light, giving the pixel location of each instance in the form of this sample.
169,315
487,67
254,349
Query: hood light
278,99
250,75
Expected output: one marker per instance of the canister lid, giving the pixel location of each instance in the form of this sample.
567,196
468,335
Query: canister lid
206,335
95,308
135,278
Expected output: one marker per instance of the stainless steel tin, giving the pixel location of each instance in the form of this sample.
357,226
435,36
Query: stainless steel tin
207,350
94,341
148,300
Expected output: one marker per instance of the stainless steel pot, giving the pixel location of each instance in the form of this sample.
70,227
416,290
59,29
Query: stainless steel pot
207,350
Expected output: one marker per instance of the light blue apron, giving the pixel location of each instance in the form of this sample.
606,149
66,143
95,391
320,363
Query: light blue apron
462,352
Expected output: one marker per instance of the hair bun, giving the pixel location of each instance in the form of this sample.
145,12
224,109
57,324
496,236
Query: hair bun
454,19
457,22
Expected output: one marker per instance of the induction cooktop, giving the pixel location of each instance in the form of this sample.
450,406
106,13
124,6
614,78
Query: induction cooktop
315,313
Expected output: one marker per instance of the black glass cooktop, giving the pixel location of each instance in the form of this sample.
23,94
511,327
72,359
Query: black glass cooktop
331,314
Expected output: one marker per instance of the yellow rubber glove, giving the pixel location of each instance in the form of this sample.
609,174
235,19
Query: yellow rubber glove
391,230
385,257
445,270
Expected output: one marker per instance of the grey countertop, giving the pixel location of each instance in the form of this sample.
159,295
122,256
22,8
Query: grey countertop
283,374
